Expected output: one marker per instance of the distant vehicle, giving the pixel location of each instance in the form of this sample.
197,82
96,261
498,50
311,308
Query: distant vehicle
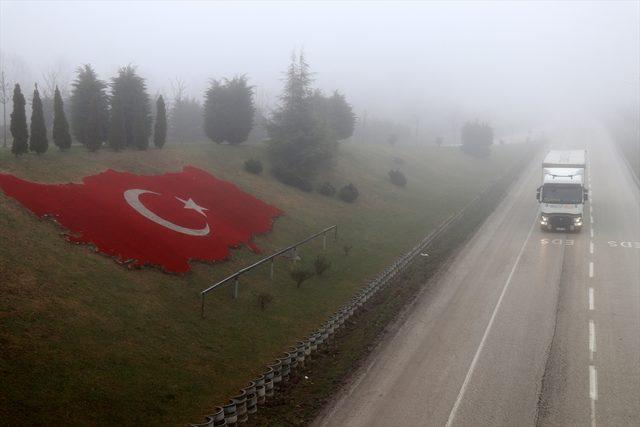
562,194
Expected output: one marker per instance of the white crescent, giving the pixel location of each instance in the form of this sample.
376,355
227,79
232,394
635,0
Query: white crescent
133,199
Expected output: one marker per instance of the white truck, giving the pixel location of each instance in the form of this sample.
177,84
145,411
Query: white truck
563,194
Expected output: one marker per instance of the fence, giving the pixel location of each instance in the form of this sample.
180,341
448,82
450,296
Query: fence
276,375
293,248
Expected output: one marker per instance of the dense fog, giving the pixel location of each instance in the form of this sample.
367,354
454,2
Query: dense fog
424,64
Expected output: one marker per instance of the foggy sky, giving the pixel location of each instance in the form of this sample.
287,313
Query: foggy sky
400,60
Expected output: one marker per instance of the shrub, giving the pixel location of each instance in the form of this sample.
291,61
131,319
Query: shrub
321,264
264,298
348,193
397,178
253,166
326,189
300,275
292,179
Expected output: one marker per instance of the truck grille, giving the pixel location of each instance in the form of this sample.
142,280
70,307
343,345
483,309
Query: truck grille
560,221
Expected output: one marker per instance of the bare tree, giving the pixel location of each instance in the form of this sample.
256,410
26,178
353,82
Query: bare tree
178,89
4,98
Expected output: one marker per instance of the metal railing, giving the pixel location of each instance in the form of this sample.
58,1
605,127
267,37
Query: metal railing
293,248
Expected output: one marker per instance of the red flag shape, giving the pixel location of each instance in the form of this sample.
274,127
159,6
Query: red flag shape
164,220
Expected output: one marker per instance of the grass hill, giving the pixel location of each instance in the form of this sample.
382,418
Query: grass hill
86,341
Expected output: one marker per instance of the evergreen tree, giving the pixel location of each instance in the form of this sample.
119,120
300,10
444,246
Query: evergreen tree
89,109
340,116
229,110
185,120
299,142
128,91
160,127
476,138
38,139
19,123
117,133
61,137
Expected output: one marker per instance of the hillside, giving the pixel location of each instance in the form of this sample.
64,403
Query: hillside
86,341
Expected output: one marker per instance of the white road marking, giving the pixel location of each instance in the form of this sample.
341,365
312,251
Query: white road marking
593,383
591,269
591,210
590,247
593,413
591,230
472,367
591,218
592,339
591,300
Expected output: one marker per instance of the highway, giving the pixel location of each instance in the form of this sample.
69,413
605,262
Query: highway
522,327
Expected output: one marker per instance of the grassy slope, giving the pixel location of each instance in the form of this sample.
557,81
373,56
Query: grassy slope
85,341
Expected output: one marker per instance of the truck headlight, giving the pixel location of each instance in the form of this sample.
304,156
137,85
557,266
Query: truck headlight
577,220
543,219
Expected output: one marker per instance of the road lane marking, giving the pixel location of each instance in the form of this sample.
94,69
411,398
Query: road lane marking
591,300
592,339
591,218
591,269
472,367
593,383
591,247
591,230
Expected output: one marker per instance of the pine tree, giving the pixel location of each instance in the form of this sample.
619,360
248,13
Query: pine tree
299,141
160,127
229,110
89,109
19,123
61,136
340,116
129,90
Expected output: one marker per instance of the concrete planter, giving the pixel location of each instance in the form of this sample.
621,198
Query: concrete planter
252,398
241,406
230,413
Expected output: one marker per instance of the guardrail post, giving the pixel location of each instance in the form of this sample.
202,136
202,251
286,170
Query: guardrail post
295,254
271,269
202,307
335,234
324,241
235,288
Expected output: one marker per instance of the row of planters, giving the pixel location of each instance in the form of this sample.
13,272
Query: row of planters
348,193
277,374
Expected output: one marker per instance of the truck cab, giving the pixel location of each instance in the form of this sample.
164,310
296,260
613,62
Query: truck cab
562,195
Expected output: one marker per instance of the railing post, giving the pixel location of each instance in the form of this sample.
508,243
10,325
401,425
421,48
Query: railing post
324,241
202,307
335,235
235,288
271,269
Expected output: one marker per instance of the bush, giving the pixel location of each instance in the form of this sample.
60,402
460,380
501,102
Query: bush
253,166
290,178
326,189
397,178
264,298
321,264
300,275
348,193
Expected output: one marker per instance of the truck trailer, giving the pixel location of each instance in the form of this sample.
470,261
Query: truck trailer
563,194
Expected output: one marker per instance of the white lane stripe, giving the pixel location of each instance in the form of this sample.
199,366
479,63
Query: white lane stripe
591,218
590,247
593,383
591,300
591,269
472,367
592,339
591,231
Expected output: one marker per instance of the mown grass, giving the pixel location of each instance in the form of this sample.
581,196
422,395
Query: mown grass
86,341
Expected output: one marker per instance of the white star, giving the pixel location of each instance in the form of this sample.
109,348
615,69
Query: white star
190,204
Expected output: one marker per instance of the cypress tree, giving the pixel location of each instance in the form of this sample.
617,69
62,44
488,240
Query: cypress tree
61,136
160,128
38,139
117,132
19,123
89,109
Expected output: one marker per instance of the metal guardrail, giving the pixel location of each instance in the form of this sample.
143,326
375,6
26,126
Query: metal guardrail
235,276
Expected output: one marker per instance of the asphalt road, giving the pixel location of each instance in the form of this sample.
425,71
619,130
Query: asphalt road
523,327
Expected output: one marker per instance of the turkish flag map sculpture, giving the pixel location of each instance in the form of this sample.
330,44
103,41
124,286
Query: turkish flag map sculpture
164,220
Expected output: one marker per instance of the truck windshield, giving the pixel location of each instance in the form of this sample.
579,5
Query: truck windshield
567,194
